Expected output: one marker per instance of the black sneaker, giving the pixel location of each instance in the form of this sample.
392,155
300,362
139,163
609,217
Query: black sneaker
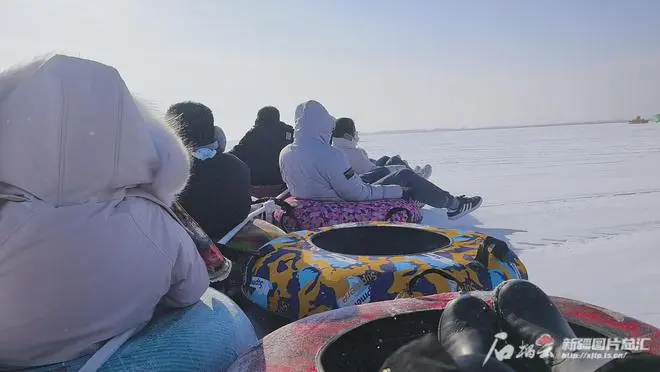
465,206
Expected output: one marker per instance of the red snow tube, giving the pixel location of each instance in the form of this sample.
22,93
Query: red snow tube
360,338
305,214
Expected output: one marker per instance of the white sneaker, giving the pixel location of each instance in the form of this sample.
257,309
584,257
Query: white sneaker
424,172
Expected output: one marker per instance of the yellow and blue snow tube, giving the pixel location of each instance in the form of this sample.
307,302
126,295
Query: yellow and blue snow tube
313,271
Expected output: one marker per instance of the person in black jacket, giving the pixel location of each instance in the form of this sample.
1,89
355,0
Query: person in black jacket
260,147
218,193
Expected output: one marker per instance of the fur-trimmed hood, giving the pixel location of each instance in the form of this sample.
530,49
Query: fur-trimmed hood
71,133
81,167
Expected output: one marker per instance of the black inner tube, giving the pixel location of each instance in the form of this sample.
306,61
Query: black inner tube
366,347
380,241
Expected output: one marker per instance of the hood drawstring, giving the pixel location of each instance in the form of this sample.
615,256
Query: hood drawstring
13,198
7,198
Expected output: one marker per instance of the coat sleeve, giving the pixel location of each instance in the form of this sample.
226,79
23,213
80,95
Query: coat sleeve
349,186
245,147
361,162
189,276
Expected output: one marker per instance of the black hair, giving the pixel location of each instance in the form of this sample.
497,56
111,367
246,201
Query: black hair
268,114
343,126
194,122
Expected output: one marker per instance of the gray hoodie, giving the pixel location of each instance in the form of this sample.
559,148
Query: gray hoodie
313,169
86,251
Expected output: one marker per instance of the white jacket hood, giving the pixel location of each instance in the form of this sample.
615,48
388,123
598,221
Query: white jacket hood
343,143
313,123
356,156
71,132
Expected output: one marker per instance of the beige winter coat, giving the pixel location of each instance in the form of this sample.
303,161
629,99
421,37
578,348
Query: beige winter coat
84,255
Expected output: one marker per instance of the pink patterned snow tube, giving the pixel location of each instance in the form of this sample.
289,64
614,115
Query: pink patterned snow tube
305,214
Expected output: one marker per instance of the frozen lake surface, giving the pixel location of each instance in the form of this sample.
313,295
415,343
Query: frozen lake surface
579,204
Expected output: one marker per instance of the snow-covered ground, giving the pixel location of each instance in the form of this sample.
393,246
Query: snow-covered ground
580,204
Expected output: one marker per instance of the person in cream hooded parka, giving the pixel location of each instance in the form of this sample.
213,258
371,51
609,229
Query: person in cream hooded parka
87,249
313,169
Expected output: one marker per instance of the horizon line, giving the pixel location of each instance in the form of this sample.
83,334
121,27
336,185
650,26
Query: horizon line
523,126
421,130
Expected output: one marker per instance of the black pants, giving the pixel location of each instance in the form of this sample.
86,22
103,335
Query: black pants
421,189
386,160
375,175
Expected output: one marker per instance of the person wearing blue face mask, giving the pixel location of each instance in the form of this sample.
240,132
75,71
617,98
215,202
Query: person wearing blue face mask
218,193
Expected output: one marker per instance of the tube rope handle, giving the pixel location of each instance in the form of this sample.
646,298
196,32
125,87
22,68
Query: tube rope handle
490,245
394,210
289,212
408,291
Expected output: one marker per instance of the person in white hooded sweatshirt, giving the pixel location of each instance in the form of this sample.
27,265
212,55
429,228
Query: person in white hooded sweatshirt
313,169
88,248
345,137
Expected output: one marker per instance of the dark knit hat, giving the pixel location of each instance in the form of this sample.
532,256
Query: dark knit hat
195,122
343,126
268,114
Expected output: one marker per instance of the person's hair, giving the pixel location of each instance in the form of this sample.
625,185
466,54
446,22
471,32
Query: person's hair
343,126
268,114
221,138
194,122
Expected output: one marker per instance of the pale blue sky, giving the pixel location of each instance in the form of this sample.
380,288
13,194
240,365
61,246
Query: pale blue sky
389,64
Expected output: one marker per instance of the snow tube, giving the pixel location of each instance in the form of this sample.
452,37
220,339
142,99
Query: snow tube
305,214
205,337
360,338
254,235
241,247
309,272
